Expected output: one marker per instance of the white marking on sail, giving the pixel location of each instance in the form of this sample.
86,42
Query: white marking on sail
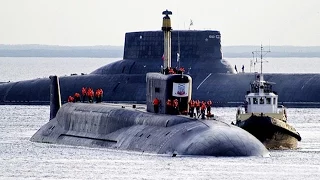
204,80
307,81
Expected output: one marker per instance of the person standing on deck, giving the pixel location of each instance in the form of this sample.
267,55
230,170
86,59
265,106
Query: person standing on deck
156,103
169,106
209,103
84,93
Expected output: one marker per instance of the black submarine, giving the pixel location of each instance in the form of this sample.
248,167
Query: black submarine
200,53
132,129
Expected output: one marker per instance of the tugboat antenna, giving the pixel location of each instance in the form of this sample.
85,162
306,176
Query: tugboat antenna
261,56
261,60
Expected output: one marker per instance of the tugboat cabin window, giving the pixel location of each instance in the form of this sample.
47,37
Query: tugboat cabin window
261,100
268,100
249,100
274,100
255,101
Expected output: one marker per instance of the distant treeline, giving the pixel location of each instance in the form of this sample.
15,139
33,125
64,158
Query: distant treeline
60,51
117,51
275,51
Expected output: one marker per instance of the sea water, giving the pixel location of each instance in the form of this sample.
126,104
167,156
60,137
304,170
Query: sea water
22,159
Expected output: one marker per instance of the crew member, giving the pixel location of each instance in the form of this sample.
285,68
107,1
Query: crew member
198,107
101,94
156,103
245,106
76,97
181,70
171,71
169,106
176,106
90,95
191,105
98,95
209,103
70,99
84,93
203,110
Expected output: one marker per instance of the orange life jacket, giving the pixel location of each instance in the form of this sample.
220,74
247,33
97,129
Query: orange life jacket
203,107
192,104
198,103
175,103
156,101
169,103
84,91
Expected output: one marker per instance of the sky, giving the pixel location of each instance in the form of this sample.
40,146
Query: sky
105,22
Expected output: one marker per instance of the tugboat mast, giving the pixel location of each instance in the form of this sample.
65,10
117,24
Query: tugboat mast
261,57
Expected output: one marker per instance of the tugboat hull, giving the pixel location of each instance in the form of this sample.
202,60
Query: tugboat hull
272,132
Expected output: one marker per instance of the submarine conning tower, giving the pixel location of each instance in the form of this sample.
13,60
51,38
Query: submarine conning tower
171,84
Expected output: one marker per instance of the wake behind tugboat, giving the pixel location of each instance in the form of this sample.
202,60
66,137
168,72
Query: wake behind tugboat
263,118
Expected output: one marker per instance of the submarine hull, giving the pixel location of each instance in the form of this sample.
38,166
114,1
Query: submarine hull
124,128
294,90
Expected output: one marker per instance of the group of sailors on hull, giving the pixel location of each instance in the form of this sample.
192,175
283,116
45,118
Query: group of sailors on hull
203,109
87,94
170,70
197,108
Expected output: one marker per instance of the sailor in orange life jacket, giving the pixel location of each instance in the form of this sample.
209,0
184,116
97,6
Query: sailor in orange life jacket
203,110
176,106
171,71
76,97
70,99
191,107
156,103
99,94
181,70
169,106
84,93
197,103
90,95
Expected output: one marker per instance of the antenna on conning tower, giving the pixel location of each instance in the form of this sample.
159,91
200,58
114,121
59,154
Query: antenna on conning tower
178,53
166,28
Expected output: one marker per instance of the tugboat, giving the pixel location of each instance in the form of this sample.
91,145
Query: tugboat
262,117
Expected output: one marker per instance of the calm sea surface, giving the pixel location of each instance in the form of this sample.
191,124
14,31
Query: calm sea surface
22,159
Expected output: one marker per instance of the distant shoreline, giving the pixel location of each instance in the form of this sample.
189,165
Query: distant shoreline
117,51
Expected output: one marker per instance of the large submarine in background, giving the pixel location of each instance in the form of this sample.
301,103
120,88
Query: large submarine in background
123,128
200,54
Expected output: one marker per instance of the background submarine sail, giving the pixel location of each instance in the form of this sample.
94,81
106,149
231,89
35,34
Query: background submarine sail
200,55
